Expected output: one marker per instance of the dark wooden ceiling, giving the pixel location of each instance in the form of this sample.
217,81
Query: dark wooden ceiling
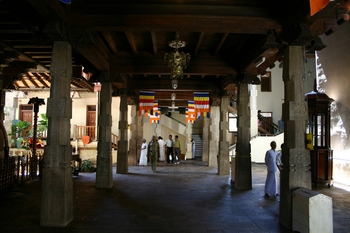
129,38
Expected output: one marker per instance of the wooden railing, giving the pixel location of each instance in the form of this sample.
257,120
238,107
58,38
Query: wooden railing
20,168
79,131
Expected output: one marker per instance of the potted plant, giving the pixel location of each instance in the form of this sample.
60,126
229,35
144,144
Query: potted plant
19,131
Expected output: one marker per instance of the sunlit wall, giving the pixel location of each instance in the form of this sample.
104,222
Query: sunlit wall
333,75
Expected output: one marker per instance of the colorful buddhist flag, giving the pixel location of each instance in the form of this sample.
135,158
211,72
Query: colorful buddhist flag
155,117
201,104
146,102
190,113
317,5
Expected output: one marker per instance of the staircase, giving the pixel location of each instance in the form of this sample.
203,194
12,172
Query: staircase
198,142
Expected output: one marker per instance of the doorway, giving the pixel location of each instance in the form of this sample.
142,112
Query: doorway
91,121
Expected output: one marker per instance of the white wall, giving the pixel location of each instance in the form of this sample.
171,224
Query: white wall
79,107
260,145
272,101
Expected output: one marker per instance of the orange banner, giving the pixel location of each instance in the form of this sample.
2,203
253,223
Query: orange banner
317,5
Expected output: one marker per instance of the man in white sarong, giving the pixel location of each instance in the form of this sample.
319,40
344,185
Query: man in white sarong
161,149
271,184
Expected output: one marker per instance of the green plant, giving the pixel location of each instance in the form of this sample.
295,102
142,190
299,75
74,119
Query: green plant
41,127
19,130
86,166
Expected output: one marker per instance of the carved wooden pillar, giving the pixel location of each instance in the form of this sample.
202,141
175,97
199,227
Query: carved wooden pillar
57,184
243,167
122,159
295,157
104,178
133,149
223,157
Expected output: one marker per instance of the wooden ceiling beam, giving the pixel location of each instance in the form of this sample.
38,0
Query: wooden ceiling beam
198,45
50,9
131,40
204,64
40,79
111,42
230,24
154,42
30,78
221,43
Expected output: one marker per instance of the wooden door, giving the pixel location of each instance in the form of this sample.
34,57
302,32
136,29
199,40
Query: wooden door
91,121
26,114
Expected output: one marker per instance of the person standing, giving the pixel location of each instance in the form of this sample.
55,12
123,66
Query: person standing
271,184
153,150
161,149
177,150
143,153
169,144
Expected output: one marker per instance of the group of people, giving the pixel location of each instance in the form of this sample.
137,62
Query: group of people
273,161
156,148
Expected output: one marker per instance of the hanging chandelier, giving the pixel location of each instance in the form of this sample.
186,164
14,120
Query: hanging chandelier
177,61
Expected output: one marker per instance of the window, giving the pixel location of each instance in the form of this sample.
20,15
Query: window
232,122
265,82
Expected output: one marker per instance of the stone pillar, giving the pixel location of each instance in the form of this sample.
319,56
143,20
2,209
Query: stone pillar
223,159
133,149
57,183
122,156
296,158
243,166
104,177
139,135
213,145
205,139
188,142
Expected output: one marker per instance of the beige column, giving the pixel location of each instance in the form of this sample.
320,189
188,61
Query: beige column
122,155
243,167
57,184
223,159
133,149
188,142
205,139
213,144
295,157
104,178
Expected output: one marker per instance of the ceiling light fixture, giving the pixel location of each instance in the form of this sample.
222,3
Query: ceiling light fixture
177,61
174,83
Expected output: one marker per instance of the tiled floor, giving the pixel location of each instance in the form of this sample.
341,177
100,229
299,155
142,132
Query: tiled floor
189,197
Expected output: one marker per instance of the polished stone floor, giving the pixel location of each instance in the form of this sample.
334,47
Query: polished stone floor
188,197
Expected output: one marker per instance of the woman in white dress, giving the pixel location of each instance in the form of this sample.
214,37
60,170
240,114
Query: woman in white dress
161,149
143,153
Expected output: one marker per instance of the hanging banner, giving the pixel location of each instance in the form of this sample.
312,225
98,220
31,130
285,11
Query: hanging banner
146,102
155,117
201,104
190,113
317,5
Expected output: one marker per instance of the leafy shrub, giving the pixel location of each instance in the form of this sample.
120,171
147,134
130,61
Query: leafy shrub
86,166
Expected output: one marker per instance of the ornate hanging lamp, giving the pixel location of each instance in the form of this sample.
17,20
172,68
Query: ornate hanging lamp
177,61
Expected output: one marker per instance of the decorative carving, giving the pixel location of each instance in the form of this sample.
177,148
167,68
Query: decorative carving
272,41
79,36
59,31
302,35
316,45
298,111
